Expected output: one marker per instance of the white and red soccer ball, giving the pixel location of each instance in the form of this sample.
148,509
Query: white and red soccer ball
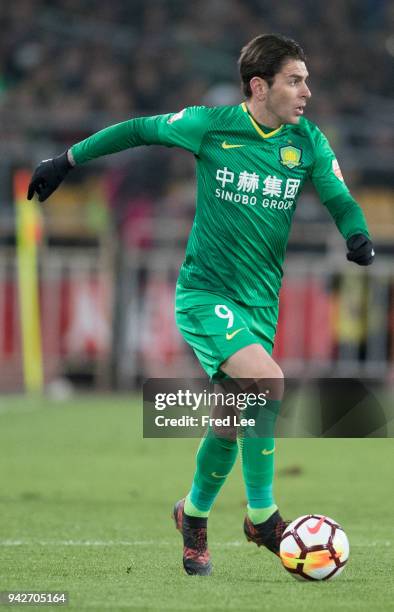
314,547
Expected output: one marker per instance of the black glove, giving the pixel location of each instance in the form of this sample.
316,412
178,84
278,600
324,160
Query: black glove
47,176
360,250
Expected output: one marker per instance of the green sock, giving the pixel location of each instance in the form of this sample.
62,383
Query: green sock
215,459
191,510
257,455
259,515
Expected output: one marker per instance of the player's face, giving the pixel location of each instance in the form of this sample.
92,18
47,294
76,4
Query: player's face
289,93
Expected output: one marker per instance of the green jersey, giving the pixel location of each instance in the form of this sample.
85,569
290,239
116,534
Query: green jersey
248,183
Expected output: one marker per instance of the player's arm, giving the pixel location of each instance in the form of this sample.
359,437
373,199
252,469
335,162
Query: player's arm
347,214
185,129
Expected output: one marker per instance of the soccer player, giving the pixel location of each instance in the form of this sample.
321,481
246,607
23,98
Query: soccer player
253,160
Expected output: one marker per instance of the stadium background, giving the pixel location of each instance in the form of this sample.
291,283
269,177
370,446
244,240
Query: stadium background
85,501
114,234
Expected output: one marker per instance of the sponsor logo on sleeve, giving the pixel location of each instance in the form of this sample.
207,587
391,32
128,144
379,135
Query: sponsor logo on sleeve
177,116
336,170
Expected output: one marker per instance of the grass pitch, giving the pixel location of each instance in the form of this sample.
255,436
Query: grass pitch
85,507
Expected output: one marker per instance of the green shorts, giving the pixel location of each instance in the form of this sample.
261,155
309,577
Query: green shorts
216,327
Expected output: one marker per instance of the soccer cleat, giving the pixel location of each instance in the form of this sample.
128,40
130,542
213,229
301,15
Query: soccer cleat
196,556
268,534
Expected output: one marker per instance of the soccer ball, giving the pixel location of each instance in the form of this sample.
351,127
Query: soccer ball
314,547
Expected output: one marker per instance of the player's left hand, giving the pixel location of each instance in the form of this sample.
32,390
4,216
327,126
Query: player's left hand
47,177
361,250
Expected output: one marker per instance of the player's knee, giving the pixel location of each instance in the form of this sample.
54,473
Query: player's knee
226,434
271,378
276,371
266,369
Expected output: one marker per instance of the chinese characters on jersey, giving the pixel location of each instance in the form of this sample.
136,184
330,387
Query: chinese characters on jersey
250,183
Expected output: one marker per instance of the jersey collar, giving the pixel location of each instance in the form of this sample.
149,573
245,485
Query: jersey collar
256,125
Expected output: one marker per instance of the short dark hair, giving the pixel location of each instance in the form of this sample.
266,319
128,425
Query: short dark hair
264,56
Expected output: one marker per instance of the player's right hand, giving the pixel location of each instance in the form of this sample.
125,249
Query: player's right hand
47,177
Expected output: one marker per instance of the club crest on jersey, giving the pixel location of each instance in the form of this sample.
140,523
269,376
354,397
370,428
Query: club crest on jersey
290,156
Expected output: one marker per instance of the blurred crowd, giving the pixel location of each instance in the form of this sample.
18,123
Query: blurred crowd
71,58
70,67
